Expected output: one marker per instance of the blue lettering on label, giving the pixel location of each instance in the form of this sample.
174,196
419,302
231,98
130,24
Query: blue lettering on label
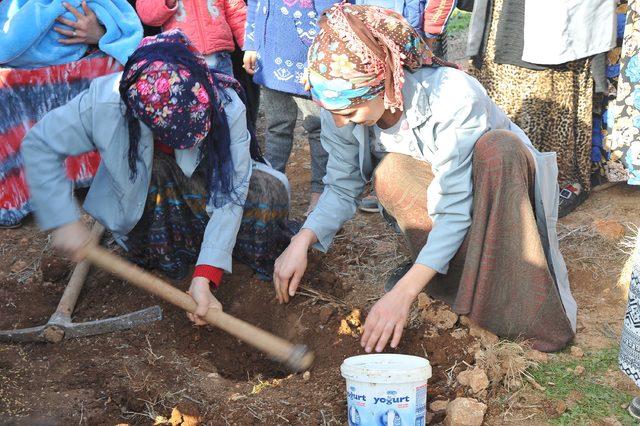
390,400
356,397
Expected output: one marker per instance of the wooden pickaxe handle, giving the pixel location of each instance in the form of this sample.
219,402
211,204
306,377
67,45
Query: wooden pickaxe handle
71,292
296,357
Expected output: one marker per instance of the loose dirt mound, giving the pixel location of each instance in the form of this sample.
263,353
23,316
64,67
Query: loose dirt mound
143,373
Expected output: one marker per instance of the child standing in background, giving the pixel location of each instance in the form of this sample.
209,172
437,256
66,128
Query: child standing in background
279,33
211,25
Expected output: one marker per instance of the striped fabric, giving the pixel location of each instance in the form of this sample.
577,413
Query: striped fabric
437,14
25,97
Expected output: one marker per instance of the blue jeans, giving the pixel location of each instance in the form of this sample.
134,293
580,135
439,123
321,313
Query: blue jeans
220,61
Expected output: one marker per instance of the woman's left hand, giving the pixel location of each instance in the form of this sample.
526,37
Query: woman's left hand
85,30
389,315
387,318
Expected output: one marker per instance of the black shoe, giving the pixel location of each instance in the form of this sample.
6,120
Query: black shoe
396,275
391,221
634,408
369,204
570,199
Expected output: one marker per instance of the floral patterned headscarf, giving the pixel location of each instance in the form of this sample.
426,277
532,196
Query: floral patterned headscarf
167,85
167,96
361,51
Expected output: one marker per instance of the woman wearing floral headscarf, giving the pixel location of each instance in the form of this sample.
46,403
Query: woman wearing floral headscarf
475,200
181,179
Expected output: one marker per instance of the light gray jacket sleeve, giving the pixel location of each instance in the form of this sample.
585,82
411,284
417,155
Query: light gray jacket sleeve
63,132
343,182
224,223
450,194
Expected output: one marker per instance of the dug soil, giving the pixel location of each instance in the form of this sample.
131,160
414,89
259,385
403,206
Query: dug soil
140,374
143,375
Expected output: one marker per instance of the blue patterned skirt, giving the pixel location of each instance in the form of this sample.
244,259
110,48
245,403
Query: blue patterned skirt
169,234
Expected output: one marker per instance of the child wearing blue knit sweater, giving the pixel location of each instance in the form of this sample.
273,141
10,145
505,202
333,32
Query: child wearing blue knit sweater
278,35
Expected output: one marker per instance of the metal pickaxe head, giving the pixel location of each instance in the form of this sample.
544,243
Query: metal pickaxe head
61,327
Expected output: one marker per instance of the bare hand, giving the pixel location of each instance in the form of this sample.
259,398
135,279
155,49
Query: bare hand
205,300
250,57
387,318
71,239
290,266
85,30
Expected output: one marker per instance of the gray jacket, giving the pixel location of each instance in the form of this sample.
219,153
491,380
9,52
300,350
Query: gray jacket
448,111
94,120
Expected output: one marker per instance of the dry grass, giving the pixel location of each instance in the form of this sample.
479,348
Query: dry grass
506,365
316,297
584,248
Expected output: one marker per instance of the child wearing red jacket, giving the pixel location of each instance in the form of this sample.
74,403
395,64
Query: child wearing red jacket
211,25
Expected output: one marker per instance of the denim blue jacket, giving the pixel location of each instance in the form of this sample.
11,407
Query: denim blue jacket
94,120
448,111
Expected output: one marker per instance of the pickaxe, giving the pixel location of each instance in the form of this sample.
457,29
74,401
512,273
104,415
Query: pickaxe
60,325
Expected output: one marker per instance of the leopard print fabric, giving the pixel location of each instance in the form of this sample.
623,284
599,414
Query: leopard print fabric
552,106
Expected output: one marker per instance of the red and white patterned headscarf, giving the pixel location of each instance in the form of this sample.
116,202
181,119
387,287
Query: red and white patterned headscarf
360,52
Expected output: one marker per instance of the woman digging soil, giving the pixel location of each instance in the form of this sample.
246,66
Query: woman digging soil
181,179
443,150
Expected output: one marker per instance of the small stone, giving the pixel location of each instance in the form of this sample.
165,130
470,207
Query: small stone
579,371
442,317
560,407
439,405
18,266
577,352
185,415
464,320
459,333
306,376
213,375
24,241
611,421
465,412
514,384
537,356
610,229
325,314
424,301
475,378
486,337
429,418
237,396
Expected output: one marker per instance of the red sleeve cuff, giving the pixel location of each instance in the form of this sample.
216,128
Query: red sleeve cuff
209,272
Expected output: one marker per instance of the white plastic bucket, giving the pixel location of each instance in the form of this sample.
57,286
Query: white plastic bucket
386,389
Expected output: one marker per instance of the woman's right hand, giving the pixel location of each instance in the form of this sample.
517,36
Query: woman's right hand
250,57
71,239
291,265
